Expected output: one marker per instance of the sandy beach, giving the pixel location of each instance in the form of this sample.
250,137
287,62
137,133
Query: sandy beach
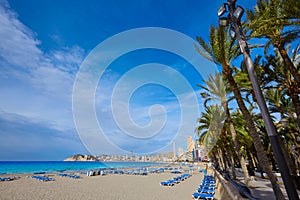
111,186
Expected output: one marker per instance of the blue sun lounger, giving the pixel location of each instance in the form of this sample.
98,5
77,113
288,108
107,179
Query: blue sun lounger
208,184
206,191
168,183
203,196
207,187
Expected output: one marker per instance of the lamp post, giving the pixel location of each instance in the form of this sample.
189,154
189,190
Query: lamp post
233,19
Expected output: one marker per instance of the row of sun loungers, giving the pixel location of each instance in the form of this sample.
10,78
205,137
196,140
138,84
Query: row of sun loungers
8,178
175,180
42,178
206,189
140,171
69,176
129,172
156,170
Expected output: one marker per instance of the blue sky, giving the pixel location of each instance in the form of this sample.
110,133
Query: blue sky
45,44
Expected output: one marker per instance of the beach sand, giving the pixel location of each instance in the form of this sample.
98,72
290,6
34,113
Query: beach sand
125,187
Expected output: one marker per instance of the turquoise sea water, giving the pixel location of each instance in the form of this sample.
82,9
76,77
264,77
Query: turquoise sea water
58,166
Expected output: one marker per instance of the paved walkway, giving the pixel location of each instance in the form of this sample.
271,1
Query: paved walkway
261,188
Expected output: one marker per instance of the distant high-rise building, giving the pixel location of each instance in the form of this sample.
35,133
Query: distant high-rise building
131,155
181,154
199,154
190,156
202,153
170,156
174,149
190,144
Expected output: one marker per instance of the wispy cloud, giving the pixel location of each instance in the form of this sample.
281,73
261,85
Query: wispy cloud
67,59
52,72
27,139
18,45
36,86
19,51
130,113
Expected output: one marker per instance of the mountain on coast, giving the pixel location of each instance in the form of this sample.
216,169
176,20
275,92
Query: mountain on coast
80,157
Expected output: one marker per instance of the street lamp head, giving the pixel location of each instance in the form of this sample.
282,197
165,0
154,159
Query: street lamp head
238,12
223,21
222,10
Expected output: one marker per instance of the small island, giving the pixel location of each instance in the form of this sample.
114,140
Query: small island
80,157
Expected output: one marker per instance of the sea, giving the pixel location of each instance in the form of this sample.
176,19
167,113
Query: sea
22,167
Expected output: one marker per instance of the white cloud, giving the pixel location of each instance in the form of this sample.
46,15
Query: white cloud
28,139
138,113
47,81
34,83
52,72
68,59
17,43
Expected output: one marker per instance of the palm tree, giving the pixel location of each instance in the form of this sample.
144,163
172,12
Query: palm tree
216,90
210,126
214,137
209,130
281,79
278,21
243,81
280,85
276,101
293,145
246,140
222,50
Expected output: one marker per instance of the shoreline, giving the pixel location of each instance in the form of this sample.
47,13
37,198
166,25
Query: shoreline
36,167
111,186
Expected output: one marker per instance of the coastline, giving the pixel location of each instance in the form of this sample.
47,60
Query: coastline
29,167
110,186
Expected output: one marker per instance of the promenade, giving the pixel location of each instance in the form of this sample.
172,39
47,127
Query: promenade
259,188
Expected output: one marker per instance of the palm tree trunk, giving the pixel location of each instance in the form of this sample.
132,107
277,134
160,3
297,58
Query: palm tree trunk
237,145
290,163
254,159
287,61
251,159
233,168
231,162
225,161
222,160
261,154
295,99
295,90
